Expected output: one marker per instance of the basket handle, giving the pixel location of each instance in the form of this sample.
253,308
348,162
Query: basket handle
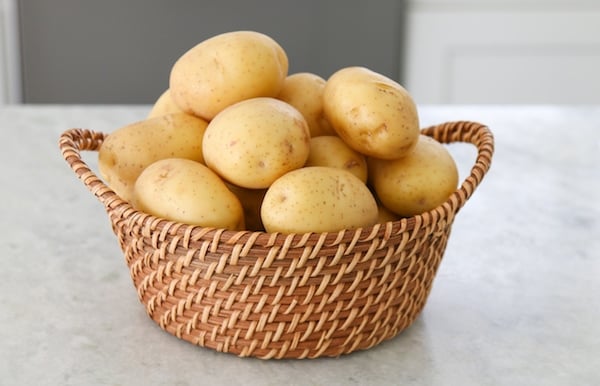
73,141
476,134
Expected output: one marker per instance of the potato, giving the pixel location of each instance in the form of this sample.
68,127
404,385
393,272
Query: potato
328,150
385,215
129,149
187,191
304,91
373,114
254,142
318,199
226,69
417,182
164,105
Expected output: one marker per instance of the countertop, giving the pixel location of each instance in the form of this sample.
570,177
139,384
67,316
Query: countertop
515,300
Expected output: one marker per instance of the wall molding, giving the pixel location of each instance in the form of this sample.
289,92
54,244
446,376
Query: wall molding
576,61
499,5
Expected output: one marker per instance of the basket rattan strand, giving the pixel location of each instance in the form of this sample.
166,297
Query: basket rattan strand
283,296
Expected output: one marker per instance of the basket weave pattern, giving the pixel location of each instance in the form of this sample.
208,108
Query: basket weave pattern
283,296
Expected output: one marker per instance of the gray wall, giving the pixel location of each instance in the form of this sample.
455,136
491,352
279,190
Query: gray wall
121,51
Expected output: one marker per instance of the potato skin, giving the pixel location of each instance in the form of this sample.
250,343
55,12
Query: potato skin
318,199
304,91
386,215
164,105
129,149
187,191
226,69
416,183
255,141
331,150
373,114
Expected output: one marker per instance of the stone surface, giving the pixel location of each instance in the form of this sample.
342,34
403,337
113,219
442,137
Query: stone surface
515,301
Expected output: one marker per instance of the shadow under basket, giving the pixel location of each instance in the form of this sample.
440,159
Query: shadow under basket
270,295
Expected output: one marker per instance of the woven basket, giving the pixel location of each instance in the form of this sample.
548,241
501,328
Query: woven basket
283,296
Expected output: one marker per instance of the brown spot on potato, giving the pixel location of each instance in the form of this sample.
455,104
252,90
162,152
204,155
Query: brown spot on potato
288,146
386,88
350,164
165,170
355,112
381,129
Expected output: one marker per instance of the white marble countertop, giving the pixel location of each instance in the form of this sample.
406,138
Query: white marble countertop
515,301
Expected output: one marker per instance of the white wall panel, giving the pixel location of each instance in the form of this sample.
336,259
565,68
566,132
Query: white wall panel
508,54
539,75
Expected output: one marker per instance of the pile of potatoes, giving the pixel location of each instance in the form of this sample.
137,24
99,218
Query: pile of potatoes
236,142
